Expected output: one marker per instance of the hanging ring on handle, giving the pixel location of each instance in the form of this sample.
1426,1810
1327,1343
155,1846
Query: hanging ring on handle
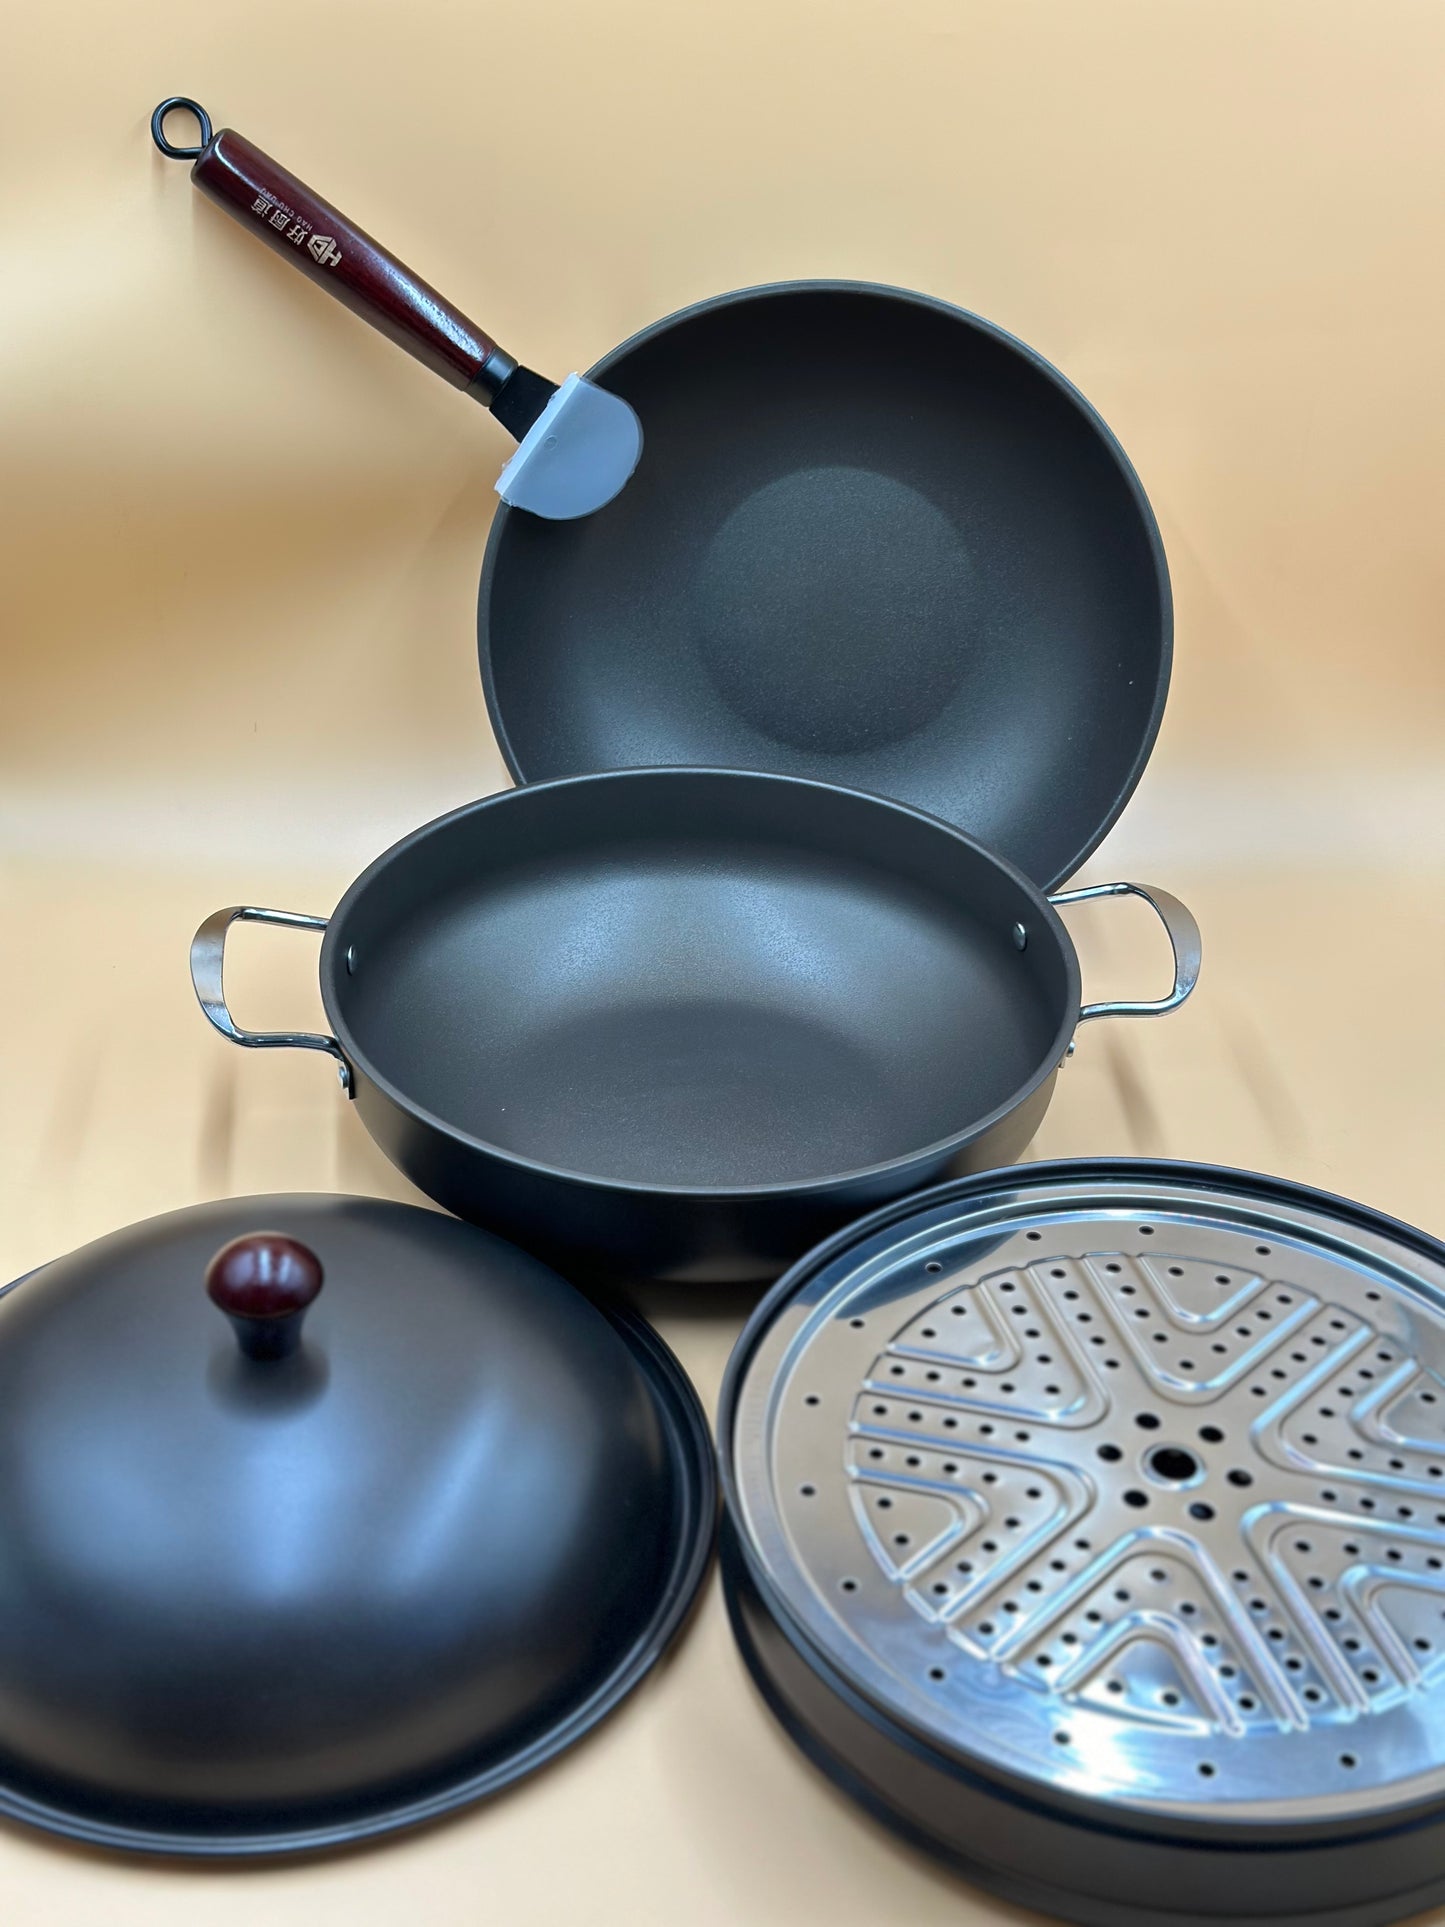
158,128
208,958
1184,941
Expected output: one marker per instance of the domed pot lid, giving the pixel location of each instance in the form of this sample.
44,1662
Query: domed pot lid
1088,1520
320,1516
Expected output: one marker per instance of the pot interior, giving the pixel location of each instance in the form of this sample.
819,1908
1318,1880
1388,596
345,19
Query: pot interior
925,570
697,979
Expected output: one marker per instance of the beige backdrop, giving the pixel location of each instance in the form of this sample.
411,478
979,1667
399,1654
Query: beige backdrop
241,537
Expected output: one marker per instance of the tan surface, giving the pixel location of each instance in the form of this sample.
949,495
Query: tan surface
239,554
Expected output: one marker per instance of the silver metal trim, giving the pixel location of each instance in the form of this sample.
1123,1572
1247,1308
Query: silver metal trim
1184,941
1306,1692
208,961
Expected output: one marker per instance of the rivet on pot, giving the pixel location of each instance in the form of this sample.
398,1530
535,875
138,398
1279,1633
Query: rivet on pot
1021,937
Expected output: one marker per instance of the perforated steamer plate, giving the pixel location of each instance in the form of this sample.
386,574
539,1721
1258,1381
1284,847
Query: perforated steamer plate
1113,1496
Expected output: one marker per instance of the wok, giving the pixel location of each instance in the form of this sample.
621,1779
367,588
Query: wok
872,539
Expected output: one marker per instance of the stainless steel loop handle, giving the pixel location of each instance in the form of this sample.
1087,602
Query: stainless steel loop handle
1184,940
208,963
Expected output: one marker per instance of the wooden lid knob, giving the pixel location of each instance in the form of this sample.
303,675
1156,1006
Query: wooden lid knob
265,1283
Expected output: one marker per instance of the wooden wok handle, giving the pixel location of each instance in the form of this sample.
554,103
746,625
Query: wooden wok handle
335,254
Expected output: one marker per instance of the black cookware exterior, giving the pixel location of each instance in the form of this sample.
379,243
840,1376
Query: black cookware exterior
263,1603
680,1023
614,1232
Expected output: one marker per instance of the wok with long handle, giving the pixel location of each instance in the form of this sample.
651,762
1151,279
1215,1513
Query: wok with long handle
875,541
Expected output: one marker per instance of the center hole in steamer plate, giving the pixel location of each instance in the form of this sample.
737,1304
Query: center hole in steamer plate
1174,1464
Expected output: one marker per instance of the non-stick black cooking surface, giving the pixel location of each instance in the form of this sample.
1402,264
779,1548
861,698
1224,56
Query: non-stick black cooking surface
872,539
687,988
